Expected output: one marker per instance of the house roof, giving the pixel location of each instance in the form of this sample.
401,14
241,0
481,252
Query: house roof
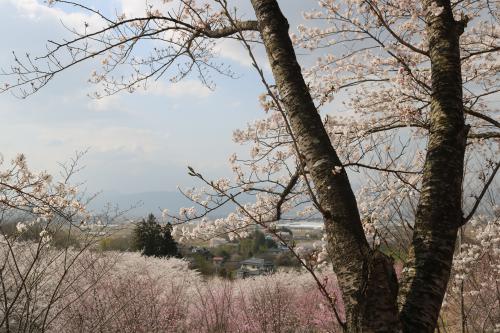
253,261
256,261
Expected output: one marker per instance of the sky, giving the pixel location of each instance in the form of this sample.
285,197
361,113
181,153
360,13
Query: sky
139,142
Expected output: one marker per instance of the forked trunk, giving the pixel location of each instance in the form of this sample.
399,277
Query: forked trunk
439,212
366,278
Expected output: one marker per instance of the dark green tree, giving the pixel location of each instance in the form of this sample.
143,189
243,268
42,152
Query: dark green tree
153,239
168,245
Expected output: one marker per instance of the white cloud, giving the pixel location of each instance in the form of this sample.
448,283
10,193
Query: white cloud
109,103
51,125
36,10
184,88
133,8
233,50
127,140
138,142
228,48
236,52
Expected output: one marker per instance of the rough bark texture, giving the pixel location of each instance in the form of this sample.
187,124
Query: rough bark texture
366,278
439,211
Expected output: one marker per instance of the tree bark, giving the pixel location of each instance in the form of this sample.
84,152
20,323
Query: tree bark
439,212
366,278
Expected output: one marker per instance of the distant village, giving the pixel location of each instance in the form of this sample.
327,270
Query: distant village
260,253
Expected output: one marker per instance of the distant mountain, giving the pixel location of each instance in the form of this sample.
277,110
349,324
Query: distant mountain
144,203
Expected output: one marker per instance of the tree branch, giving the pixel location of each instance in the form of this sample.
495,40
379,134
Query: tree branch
481,195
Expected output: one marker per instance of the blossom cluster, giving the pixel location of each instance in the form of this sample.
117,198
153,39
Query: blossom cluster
162,295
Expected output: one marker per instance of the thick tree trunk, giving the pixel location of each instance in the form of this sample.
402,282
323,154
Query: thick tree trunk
439,211
366,279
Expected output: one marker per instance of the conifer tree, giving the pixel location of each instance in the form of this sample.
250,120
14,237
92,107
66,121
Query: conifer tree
153,239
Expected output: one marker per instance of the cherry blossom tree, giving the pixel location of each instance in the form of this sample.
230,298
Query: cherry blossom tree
148,294
422,77
45,238
402,62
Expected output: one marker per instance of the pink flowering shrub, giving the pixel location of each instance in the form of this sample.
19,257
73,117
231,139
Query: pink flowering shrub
472,302
139,295
212,307
113,292
162,295
38,283
284,302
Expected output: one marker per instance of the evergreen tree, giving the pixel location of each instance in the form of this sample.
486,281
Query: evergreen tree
168,245
153,239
